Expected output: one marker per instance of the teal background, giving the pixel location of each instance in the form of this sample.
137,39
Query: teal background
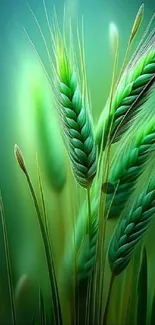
18,64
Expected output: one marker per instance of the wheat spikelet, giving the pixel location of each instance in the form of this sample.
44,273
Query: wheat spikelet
131,229
20,158
75,117
128,167
137,22
132,91
114,36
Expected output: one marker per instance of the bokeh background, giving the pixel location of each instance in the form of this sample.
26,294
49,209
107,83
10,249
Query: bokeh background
19,66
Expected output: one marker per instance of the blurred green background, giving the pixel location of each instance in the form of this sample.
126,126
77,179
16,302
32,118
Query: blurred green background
19,66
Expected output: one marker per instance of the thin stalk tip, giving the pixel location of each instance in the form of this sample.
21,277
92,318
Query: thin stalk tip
20,159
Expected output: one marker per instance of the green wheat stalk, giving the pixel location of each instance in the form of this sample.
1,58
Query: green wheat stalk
127,168
73,106
74,110
131,229
8,263
56,307
131,93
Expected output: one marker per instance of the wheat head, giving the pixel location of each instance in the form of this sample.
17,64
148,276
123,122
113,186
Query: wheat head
132,91
75,117
131,228
128,167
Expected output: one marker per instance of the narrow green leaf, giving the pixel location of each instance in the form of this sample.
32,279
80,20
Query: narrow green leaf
8,263
46,241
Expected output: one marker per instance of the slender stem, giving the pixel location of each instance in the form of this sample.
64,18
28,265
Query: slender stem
49,258
102,234
89,284
124,61
102,221
88,230
89,212
108,299
74,279
42,197
8,264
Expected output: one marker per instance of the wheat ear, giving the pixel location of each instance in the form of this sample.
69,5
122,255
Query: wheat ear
131,228
74,111
132,91
128,167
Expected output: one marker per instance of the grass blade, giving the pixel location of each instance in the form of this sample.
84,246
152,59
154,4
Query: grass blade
48,251
8,263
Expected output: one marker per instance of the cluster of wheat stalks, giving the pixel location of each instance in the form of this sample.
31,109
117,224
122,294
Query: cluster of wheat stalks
109,180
